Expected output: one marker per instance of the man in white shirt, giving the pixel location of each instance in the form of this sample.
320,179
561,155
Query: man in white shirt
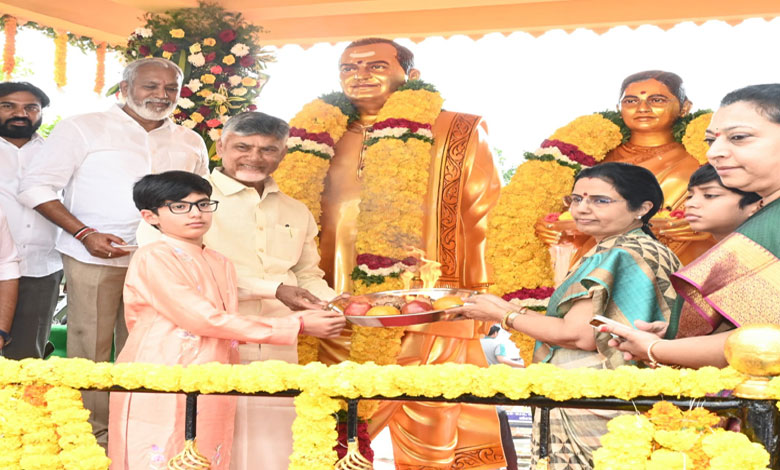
95,159
21,107
270,237
9,282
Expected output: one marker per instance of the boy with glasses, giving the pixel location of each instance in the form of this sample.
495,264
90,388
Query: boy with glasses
181,307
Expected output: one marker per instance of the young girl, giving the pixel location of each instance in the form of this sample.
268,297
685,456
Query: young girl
713,208
181,308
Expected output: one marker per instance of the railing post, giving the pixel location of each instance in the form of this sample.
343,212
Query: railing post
191,415
544,432
763,421
352,420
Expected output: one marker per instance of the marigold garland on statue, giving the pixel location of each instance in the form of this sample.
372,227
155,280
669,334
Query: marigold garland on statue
395,182
60,59
667,438
9,49
693,140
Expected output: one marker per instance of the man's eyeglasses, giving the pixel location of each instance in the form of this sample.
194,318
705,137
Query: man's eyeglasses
184,207
595,201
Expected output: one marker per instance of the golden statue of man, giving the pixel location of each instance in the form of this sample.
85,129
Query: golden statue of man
462,187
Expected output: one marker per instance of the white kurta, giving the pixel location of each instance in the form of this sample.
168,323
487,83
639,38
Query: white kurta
270,239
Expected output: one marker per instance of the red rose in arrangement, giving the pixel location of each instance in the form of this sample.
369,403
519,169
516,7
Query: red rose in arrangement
185,92
144,51
204,110
247,61
169,47
364,441
210,56
251,107
213,123
216,70
227,35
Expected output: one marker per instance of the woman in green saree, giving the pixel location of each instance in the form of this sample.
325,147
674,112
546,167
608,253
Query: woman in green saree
625,277
737,282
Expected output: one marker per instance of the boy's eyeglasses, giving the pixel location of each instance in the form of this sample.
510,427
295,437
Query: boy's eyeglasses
596,201
184,207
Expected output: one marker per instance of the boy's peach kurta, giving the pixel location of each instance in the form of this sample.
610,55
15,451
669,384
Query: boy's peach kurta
180,307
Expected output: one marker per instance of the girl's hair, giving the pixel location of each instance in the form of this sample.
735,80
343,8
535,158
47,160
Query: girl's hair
634,184
706,174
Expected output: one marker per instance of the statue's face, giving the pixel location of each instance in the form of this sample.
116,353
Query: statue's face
370,72
649,106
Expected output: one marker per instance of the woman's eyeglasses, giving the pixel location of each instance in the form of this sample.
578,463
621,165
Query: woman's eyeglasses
595,201
184,207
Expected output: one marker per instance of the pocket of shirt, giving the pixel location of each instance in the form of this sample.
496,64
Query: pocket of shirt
287,243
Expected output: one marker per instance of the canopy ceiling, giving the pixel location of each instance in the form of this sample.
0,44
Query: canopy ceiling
306,22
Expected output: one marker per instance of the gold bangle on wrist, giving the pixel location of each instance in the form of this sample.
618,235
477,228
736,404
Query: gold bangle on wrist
653,362
509,318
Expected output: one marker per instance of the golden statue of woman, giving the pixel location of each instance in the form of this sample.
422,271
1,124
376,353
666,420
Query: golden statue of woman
651,102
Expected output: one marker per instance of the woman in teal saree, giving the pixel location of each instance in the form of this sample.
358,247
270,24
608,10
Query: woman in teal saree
625,277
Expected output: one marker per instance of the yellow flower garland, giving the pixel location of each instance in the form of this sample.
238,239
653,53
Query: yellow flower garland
592,134
46,427
314,429
667,438
60,59
395,182
693,140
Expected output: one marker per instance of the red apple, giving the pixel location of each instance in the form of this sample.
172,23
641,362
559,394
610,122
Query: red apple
417,306
357,309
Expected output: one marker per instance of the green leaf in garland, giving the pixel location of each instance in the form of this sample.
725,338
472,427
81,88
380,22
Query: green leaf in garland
617,119
418,85
678,130
340,100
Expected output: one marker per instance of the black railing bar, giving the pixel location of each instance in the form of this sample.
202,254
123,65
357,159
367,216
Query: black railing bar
714,403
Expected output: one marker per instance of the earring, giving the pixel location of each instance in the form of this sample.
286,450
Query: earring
639,217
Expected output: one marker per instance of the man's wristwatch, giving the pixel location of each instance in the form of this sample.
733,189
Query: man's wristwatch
6,337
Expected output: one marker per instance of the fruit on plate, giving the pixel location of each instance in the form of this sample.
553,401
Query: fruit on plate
382,310
447,301
357,308
417,306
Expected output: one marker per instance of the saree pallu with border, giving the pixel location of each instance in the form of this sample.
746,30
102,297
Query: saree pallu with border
627,278
738,280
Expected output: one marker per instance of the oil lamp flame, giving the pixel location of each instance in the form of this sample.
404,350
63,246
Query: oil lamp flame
430,271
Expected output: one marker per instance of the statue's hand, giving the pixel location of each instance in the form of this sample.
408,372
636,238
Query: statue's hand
546,232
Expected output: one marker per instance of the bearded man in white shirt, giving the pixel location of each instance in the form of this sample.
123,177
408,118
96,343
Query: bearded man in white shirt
21,106
270,237
95,159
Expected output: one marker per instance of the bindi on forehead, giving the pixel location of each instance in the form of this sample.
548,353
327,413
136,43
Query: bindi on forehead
643,92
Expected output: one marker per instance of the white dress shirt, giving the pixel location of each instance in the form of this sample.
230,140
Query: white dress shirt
9,258
270,240
95,159
33,233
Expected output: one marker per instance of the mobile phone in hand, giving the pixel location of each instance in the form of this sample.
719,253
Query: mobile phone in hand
598,320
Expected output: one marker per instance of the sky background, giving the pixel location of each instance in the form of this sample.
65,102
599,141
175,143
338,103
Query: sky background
525,87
